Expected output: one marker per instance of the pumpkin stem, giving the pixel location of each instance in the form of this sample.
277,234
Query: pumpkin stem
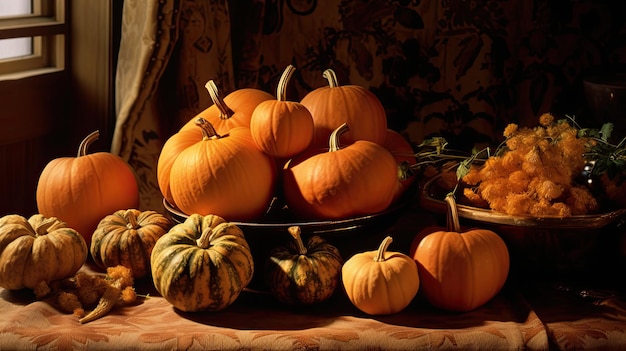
208,131
131,219
330,75
281,90
48,225
89,139
453,215
380,254
205,239
296,234
333,141
225,111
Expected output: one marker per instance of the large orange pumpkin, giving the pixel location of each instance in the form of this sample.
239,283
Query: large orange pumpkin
226,175
234,110
335,104
282,128
358,179
82,190
460,271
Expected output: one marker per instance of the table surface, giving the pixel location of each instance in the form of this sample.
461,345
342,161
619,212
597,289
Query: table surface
539,314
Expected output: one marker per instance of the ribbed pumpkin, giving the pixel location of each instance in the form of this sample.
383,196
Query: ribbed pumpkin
380,282
461,270
358,179
202,264
334,105
38,249
404,154
226,175
299,274
169,152
234,110
126,238
282,128
84,189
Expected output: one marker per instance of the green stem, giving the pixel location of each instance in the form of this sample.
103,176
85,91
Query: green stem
380,254
89,139
225,111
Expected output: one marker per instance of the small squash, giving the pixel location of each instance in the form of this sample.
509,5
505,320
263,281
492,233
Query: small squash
461,270
234,110
38,249
358,179
282,128
126,238
226,175
84,189
202,264
302,275
380,282
334,105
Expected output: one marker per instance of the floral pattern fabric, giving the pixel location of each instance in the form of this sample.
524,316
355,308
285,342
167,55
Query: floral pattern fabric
548,319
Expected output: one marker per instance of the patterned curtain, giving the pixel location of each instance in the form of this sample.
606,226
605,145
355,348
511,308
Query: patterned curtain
457,68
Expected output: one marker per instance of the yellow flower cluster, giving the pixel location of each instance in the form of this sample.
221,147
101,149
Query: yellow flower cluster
535,175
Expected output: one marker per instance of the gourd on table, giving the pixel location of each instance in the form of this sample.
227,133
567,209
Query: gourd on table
38,250
303,274
84,189
461,269
127,238
202,264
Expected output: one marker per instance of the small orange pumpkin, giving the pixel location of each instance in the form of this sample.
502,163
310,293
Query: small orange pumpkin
234,110
358,179
226,175
461,271
334,105
380,282
84,189
282,128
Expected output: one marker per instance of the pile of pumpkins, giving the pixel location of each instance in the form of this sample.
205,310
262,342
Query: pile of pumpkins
215,168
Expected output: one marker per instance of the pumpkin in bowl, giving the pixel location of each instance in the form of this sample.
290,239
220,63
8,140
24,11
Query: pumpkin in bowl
335,104
202,264
358,179
84,189
226,175
38,250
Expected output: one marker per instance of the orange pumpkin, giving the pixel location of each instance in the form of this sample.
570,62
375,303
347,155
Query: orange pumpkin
334,105
460,271
358,179
380,282
404,154
170,150
234,110
82,190
279,127
226,175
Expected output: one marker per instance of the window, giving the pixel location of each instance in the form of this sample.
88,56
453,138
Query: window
32,37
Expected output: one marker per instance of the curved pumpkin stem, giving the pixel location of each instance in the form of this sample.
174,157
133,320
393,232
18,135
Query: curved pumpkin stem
330,75
48,225
208,131
281,90
89,139
380,254
225,111
453,215
205,239
333,141
130,217
296,234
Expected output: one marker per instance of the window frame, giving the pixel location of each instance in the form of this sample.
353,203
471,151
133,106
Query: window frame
48,27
